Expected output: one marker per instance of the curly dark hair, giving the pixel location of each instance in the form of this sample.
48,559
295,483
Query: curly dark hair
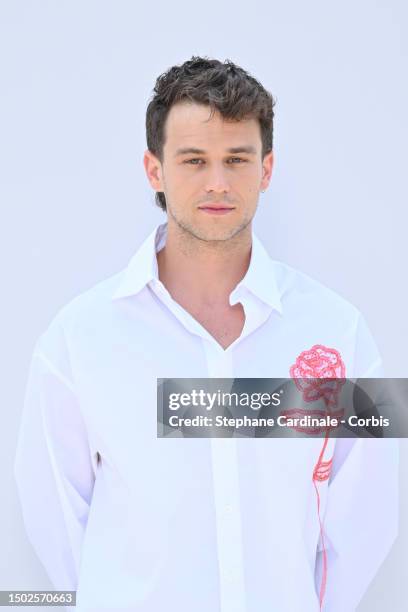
223,86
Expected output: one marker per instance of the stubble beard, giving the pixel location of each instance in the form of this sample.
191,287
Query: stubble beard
211,238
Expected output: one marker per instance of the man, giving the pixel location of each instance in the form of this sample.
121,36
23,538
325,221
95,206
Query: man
136,522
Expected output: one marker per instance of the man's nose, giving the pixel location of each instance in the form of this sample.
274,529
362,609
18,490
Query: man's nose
216,179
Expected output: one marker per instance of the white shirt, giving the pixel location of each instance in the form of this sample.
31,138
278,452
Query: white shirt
140,523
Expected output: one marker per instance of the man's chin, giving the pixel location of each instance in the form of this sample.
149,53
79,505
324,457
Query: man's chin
215,234
212,234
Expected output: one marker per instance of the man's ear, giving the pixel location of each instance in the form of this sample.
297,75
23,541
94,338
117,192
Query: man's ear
267,166
153,170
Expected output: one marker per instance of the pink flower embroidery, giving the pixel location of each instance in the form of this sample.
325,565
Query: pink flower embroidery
319,362
326,364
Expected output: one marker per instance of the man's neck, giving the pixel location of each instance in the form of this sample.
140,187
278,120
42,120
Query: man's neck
203,272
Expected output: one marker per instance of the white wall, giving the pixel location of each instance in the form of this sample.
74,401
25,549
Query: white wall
74,82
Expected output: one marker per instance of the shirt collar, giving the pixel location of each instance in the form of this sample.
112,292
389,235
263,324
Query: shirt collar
260,278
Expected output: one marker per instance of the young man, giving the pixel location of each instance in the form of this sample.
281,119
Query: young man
135,522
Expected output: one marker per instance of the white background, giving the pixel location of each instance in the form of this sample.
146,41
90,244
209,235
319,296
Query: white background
75,78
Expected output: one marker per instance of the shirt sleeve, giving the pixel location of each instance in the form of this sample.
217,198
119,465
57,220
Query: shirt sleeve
361,519
54,469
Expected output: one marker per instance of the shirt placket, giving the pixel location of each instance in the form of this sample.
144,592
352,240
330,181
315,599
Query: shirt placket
224,460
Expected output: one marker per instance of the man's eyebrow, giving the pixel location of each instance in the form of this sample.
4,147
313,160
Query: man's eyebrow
188,150
249,149
245,149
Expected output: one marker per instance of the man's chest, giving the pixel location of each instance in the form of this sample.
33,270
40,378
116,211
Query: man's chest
117,362
224,324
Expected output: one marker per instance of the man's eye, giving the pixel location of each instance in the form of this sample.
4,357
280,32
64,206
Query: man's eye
194,162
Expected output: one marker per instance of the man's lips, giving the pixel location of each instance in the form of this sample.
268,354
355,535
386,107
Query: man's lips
216,209
216,206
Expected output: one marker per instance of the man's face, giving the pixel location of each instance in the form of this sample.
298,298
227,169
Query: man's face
210,163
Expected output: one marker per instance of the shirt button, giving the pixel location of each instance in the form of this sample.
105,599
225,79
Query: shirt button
230,575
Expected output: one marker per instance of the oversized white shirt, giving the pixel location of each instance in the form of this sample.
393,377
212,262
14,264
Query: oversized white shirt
140,523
